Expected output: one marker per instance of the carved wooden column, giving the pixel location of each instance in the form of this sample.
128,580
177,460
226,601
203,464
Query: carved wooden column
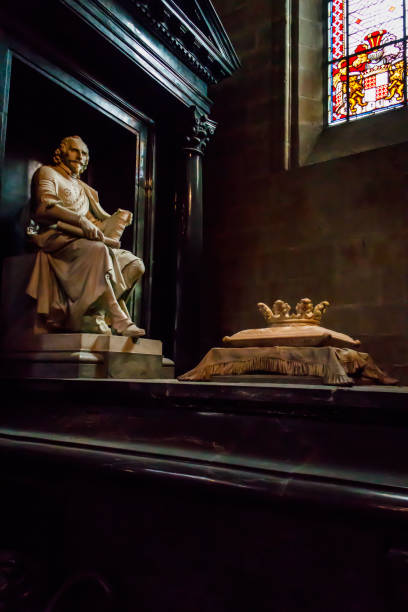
190,243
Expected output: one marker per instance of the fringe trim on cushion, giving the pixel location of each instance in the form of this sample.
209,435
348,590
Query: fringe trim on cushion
268,364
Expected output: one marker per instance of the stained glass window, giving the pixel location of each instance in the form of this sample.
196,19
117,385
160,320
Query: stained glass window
367,57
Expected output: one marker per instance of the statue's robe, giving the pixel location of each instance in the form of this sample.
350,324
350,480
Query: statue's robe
70,273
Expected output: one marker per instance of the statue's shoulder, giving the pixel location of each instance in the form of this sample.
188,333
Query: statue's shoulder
45,172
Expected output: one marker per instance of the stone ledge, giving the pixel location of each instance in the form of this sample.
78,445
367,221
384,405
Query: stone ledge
82,356
386,405
85,342
290,442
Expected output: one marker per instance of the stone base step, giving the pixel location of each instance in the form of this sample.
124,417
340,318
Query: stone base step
85,356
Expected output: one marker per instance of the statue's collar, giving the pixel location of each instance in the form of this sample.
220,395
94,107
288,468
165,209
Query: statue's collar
67,171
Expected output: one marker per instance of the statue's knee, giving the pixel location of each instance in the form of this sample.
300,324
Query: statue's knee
138,268
139,265
133,271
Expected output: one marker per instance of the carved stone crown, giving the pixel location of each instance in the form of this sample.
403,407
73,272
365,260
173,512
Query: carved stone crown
306,313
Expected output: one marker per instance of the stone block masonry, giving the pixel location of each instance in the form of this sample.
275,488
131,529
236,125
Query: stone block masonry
336,230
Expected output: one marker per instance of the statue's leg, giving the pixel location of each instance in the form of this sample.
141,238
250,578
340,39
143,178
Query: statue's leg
121,322
132,272
108,309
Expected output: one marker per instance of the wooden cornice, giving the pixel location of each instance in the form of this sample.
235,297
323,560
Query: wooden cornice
209,54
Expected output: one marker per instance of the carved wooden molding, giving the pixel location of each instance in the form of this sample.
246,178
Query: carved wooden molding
163,29
208,54
200,131
132,37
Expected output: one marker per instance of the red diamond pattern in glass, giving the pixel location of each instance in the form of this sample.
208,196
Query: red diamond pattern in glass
372,77
370,82
381,92
337,29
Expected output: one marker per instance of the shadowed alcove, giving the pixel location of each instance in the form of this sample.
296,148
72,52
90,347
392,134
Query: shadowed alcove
36,124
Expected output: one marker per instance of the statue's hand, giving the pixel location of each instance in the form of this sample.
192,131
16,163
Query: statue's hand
90,230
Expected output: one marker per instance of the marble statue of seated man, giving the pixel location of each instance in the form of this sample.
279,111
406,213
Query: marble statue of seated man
79,279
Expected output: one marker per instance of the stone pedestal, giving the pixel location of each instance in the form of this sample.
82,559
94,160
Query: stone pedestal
72,355
17,309
82,356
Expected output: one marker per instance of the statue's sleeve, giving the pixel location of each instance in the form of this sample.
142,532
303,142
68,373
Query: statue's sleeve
45,190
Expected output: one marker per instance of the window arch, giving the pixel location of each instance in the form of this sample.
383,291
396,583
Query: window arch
366,58
311,135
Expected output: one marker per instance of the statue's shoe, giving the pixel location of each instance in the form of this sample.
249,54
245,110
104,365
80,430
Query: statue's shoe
133,331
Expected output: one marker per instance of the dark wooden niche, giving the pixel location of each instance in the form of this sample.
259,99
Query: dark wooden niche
119,158
131,78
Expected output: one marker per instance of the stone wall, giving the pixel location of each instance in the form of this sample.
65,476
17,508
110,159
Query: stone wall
335,230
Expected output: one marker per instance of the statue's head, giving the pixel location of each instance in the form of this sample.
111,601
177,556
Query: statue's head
73,153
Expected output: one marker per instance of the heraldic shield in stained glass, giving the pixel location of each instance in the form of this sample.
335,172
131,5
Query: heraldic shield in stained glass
367,57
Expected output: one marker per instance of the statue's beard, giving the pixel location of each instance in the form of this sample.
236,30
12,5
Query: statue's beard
76,168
